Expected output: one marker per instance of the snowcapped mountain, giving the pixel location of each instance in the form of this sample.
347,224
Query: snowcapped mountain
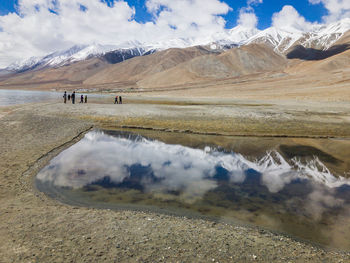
282,40
113,54
325,36
60,58
320,37
240,34
232,38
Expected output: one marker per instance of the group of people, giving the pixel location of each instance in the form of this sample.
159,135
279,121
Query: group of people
72,97
116,101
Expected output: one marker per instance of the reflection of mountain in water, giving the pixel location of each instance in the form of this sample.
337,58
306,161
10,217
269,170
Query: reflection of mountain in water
298,195
174,166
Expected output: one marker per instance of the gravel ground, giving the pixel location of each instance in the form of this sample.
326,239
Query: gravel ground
35,228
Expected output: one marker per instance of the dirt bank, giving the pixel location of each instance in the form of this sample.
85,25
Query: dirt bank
35,228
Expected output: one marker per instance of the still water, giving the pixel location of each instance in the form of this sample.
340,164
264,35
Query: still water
286,186
13,97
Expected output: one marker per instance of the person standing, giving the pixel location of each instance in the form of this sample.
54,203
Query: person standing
85,98
120,100
65,97
81,98
116,100
73,97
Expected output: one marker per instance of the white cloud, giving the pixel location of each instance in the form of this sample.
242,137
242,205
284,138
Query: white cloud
44,26
337,9
289,19
189,18
321,200
254,2
247,19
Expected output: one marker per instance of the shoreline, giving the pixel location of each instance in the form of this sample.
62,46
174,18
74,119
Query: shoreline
36,228
233,135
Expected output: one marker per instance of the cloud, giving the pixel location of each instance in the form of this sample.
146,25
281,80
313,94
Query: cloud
247,17
44,26
289,19
337,9
254,2
188,18
321,200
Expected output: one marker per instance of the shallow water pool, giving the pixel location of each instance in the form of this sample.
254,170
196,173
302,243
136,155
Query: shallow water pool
298,187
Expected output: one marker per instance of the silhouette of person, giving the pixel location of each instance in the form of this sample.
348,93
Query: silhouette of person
116,100
120,99
65,97
73,97
68,96
81,98
85,98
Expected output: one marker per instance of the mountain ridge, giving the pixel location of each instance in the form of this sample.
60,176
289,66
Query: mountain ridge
281,40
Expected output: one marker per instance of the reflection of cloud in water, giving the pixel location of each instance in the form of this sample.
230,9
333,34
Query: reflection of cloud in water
320,200
301,196
177,167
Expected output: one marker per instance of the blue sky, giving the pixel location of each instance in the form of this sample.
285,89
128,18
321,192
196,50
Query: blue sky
264,11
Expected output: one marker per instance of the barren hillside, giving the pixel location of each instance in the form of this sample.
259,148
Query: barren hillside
335,59
72,74
140,67
236,62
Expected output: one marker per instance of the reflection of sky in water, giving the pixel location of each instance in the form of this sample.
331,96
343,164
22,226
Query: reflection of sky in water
298,196
176,167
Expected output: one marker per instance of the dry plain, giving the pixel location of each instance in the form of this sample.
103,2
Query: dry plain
36,228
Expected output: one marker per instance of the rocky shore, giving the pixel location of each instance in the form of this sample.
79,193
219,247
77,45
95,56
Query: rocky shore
36,228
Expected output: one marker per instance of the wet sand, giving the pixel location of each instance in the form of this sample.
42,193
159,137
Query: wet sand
36,228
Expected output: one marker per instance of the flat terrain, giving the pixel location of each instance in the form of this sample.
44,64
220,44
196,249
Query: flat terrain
35,228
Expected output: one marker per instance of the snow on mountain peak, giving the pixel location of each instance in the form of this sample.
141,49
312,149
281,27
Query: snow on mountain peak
18,65
320,37
339,27
95,49
279,39
239,34
73,54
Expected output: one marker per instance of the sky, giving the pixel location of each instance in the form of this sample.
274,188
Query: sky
38,27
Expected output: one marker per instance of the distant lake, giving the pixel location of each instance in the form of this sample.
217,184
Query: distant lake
14,97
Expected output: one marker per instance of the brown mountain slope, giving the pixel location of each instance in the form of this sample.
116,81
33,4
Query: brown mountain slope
51,77
336,58
236,62
138,68
325,66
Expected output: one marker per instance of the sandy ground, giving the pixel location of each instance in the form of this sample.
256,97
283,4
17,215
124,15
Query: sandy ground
35,228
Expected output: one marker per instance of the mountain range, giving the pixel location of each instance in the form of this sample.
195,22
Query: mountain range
239,54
